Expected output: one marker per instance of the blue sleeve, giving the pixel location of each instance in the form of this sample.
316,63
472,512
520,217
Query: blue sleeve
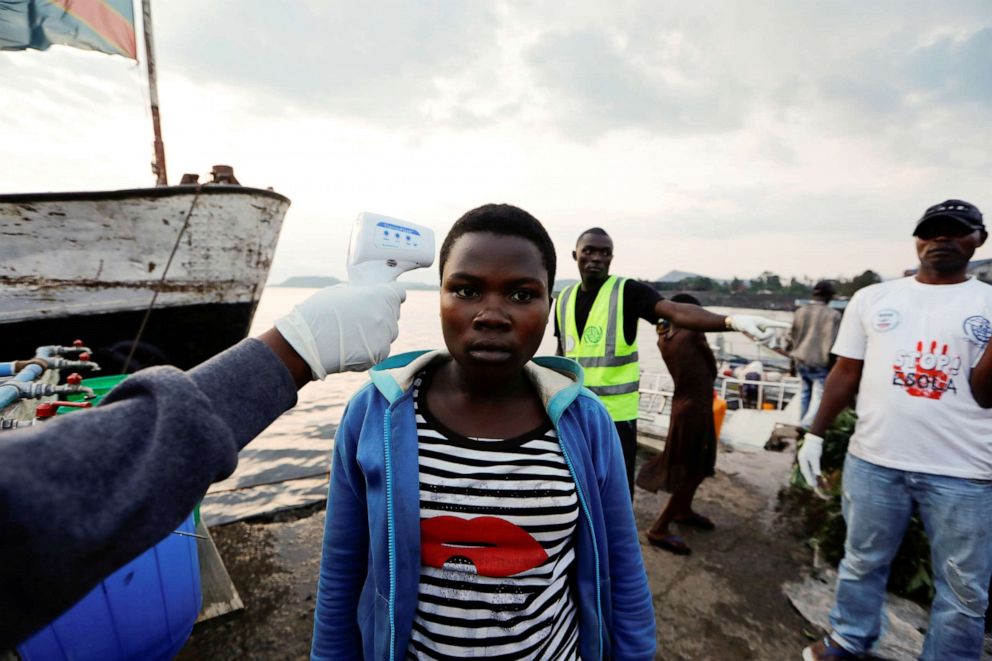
633,632
344,557
83,494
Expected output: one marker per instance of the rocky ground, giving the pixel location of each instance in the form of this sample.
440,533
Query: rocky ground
722,602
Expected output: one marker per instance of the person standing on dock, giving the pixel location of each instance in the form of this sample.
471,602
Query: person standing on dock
814,328
596,324
914,351
689,456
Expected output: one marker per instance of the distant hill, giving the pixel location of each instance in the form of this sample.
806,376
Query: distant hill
419,286
309,281
678,276
318,281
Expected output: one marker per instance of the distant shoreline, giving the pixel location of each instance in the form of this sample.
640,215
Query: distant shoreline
786,302
319,282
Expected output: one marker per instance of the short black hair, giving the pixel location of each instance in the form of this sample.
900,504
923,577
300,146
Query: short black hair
598,231
824,290
685,298
505,220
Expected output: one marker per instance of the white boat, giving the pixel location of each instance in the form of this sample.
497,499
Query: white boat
92,264
166,274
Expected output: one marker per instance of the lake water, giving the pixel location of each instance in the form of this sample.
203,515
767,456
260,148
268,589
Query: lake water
287,464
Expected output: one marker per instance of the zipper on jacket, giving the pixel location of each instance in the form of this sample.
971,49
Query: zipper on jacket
595,547
390,534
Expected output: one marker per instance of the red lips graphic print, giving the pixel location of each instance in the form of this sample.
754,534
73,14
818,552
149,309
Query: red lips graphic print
496,547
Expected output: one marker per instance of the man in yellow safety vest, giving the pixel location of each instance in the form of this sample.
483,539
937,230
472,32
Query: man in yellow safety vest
599,317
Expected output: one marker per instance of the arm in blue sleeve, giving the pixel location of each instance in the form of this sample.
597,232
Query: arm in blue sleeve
633,612
85,493
344,557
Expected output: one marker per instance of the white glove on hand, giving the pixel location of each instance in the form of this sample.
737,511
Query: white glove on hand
809,459
344,329
759,328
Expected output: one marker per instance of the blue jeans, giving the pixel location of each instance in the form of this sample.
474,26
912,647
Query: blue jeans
813,380
957,513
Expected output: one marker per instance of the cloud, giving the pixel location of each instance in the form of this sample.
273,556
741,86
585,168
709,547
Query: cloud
906,81
663,70
700,134
381,61
597,82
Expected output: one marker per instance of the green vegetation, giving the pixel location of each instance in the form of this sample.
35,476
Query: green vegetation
767,283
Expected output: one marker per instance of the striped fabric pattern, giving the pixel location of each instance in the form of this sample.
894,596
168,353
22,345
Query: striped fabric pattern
498,519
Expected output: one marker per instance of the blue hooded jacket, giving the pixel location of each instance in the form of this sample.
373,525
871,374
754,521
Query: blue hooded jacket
370,568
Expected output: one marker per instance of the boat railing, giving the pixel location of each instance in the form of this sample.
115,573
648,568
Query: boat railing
656,392
742,352
778,392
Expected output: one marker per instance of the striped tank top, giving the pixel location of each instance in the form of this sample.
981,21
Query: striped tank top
498,519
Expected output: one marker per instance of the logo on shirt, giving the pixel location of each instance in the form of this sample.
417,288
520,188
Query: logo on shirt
885,320
926,372
592,335
978,330
493,546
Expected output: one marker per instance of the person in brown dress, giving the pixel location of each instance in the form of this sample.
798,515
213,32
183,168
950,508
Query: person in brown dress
690,450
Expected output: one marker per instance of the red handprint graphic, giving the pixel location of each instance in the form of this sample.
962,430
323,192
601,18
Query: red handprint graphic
931,371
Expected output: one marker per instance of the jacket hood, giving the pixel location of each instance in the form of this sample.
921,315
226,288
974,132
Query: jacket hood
558,380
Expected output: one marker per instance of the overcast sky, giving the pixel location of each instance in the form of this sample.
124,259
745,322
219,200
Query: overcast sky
719,138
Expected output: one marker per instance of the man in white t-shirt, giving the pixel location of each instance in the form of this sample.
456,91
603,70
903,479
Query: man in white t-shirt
913,350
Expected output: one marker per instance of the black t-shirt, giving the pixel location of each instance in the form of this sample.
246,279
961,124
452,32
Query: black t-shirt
638,303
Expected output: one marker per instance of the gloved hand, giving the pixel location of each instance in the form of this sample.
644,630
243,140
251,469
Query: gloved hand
809,459
759,328
344,329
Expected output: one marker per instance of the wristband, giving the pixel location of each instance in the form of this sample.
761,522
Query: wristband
7,369
728,323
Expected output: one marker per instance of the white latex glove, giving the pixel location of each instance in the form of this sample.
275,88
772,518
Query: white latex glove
809,459
344,329
759,328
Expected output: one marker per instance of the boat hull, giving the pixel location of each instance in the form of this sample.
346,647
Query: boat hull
89,265
183,335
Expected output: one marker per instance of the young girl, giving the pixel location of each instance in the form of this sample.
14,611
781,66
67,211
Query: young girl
478,505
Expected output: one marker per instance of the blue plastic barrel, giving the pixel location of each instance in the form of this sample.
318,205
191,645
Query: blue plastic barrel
144,610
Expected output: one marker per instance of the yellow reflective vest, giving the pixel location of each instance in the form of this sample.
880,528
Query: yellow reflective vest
610,364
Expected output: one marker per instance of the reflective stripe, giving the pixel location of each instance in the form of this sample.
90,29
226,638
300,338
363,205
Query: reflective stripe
611,321
621,389
561,310
607,361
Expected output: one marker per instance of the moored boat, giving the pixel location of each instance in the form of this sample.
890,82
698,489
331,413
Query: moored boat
169,274
757,403
93,264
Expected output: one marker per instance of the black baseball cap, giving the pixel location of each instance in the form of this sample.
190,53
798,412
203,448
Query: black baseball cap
963,212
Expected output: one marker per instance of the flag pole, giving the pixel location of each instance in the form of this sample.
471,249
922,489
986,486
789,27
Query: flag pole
158,166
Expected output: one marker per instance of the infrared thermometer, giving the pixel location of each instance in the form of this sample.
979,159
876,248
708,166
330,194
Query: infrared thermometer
382,248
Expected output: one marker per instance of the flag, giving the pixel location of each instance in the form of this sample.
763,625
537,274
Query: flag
101,25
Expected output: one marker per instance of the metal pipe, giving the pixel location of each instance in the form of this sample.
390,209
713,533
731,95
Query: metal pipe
158,167
10,391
